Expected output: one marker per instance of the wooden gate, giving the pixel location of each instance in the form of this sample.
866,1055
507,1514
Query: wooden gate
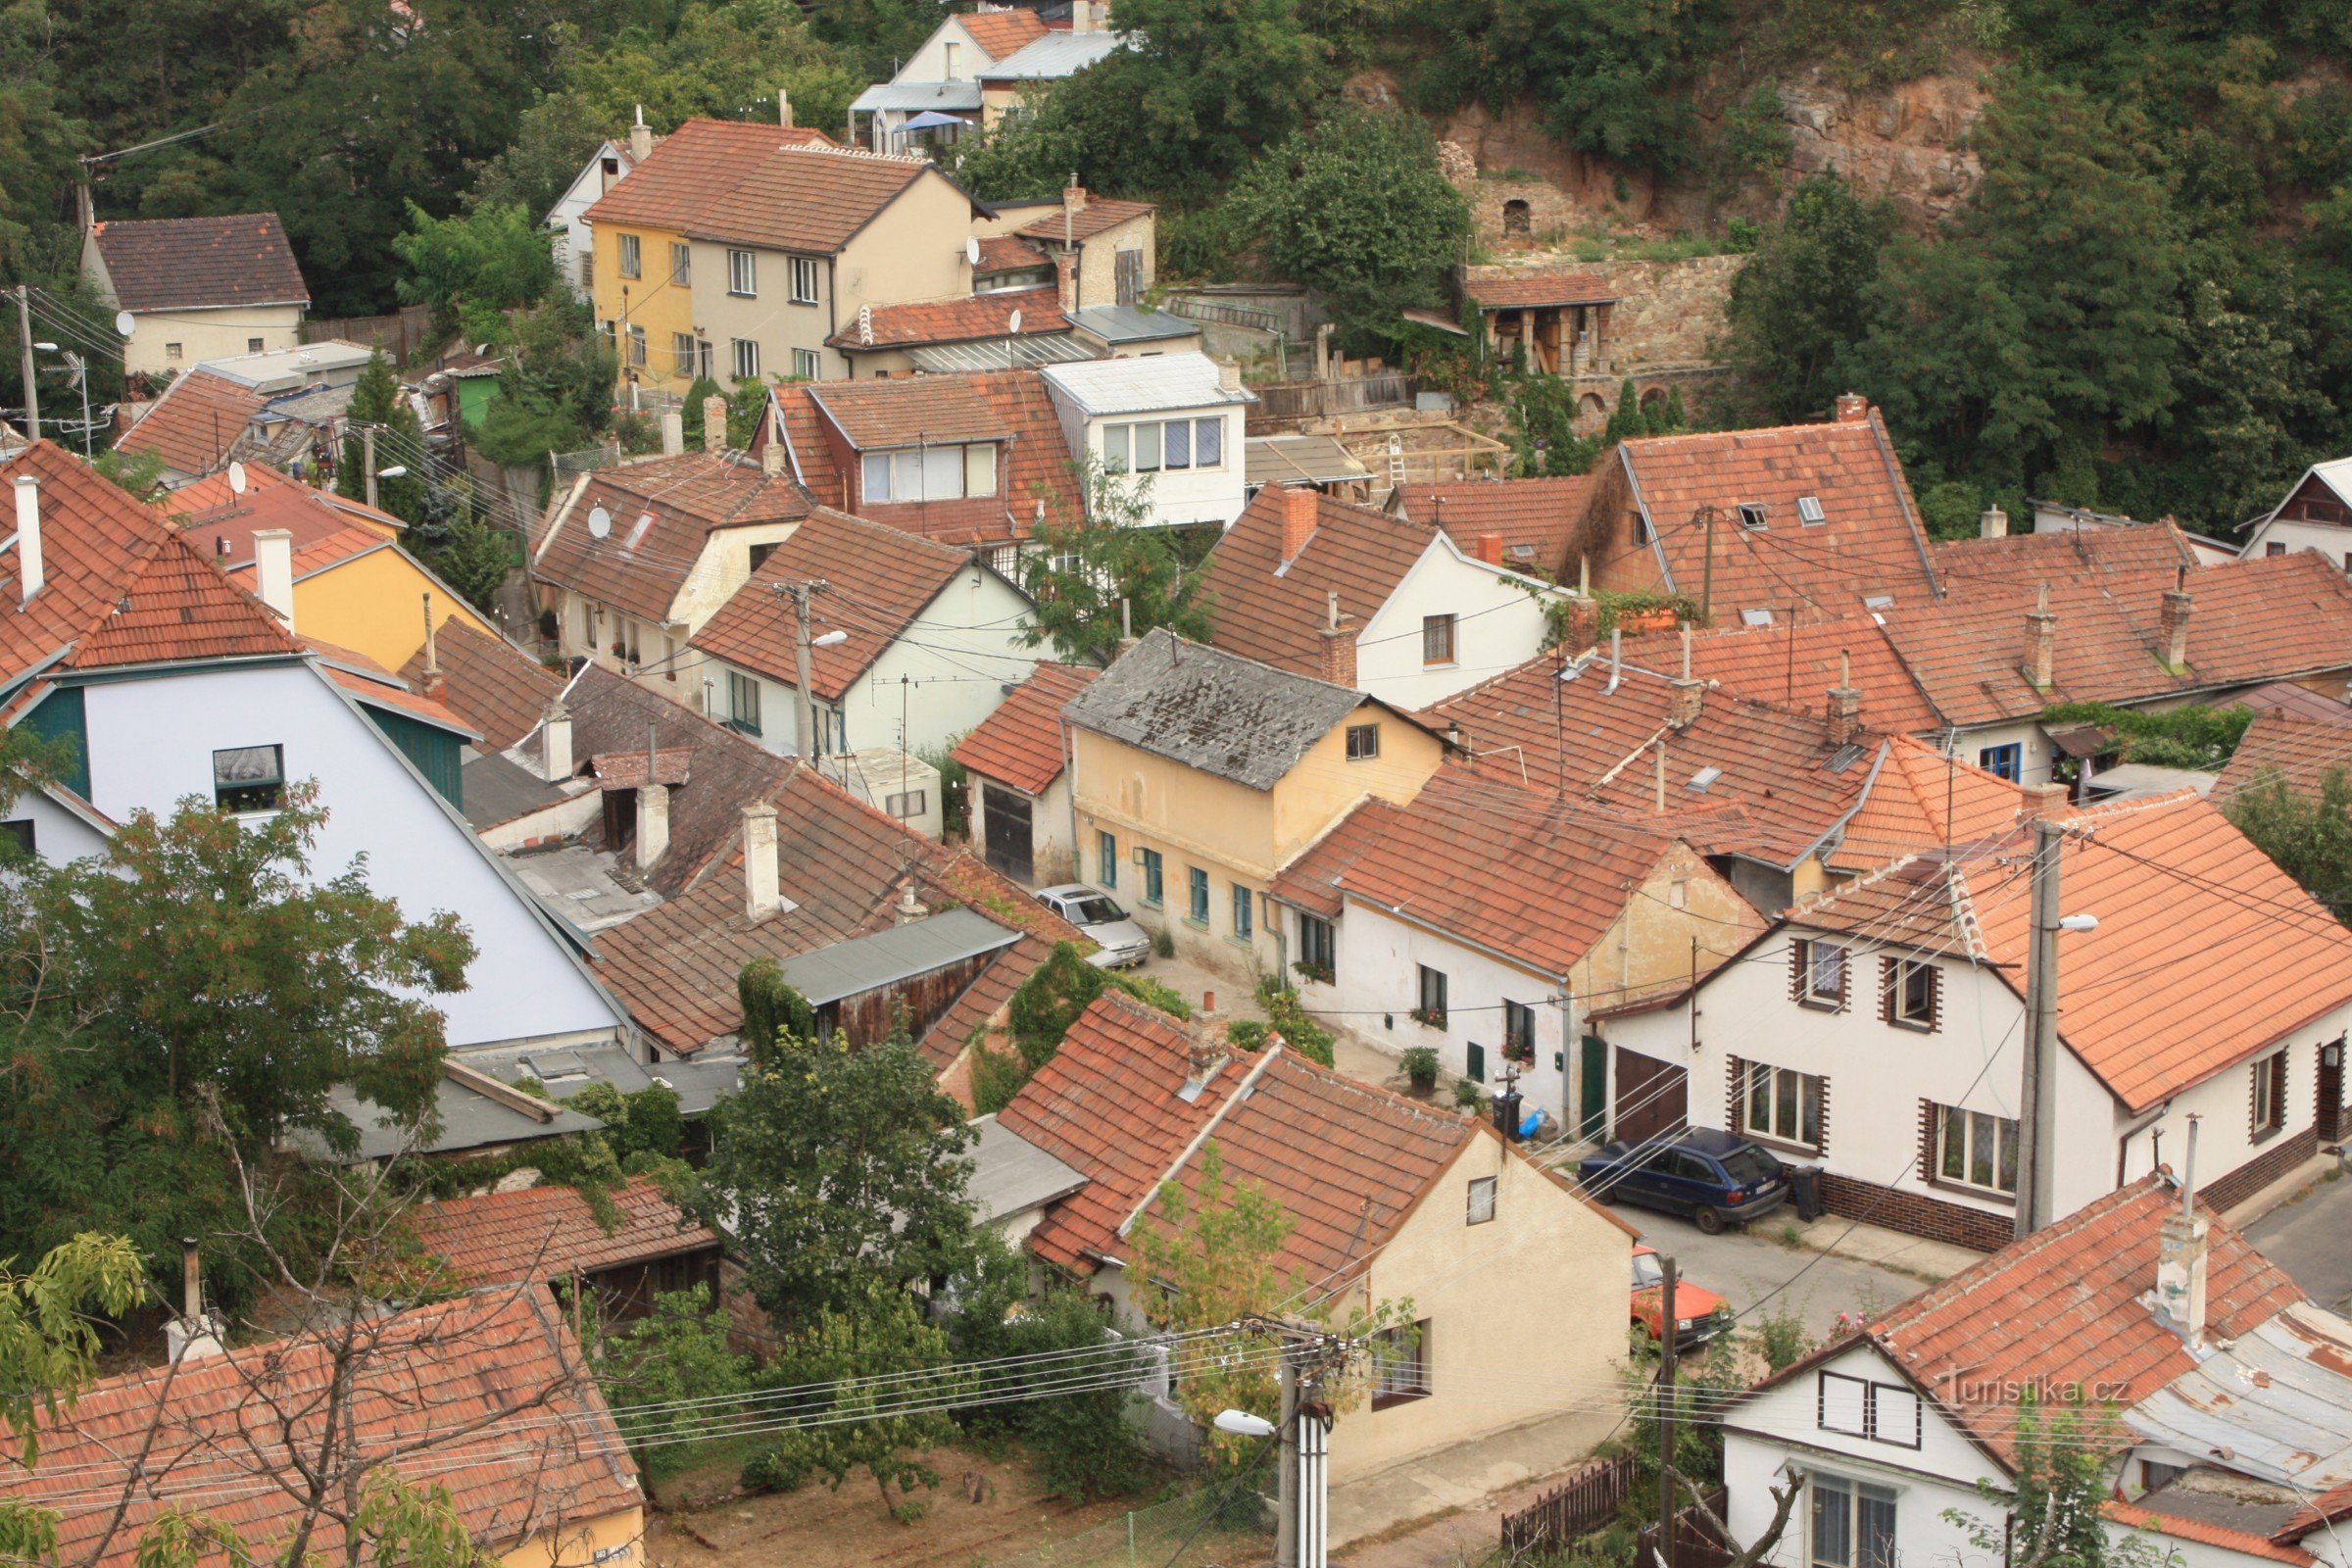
1005,825
1127,272
1652,1097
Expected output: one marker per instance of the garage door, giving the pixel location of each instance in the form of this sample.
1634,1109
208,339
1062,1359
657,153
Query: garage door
1006,826
1652,1097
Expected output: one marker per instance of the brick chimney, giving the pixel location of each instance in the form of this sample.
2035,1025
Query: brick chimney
1992,523
2041,642
2046,802
1066,280
763,885
1853,407
2172,619
1687,697
1339,643
1300,507
714,424
1488,547
1845,704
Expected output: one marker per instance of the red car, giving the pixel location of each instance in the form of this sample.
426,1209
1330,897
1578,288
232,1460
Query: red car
1700,1314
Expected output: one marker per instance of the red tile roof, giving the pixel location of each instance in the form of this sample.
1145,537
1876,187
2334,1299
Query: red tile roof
325,534
1001,33
977,319
1095,217
1870,542
1271,609
548,1233
487,1396
1493,288
1793,667
195,423
1535,519
2297,751
214,490
200,263
1920,798
910,412
2066,1305
2162,873
692,170
1008,253
878,580
1020,744
488,682
2140,1516
664,512
2142,558
2296,702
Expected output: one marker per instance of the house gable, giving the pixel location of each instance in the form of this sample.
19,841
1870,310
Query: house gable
1854,1408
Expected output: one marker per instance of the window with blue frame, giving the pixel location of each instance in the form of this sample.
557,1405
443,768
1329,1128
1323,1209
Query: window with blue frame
2008,761
1197,905
1106,856
1153,892
1242,898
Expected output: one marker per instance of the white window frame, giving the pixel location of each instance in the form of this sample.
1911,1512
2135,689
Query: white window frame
804,281
632,255
743,275
1478,1207
681,263
1822,955
744,352
1853,1495
1969,1122
1784,1090
807,363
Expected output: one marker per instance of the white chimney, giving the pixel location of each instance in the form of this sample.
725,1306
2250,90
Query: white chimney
274,571
762,892
783,109
195,1331
555,742
653,824
2181,1249
674,432
28,533
641,138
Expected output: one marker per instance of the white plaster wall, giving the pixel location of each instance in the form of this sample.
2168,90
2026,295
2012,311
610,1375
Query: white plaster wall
151,743
2035,758
947,671
57,835
1498,624
2224,1104
207,335
1182,495
2333,540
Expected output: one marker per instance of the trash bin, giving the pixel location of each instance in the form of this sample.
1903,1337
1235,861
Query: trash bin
1804,1190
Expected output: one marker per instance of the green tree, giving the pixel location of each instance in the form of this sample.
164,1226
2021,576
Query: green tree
723,60
838,1169
2308,835
661,1371
2053,1514
377,400
1111,568
554,392
40,135
1802,304
474,267
1354,207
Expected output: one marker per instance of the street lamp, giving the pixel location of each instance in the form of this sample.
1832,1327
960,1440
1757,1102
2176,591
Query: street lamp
396,471
1241,1424
834,639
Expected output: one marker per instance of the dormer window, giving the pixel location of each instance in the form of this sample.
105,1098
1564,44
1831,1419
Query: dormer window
931,474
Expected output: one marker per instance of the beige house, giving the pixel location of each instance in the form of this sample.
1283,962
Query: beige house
737,251
1196,775
1109,246
197,288
1475,1251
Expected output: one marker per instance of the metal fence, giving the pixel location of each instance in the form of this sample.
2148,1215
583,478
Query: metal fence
1217,1526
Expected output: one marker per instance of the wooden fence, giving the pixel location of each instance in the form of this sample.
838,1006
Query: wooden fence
404,333
1584,1502
1696,1543
1318,400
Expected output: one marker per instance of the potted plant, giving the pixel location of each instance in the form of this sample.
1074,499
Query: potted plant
1319,973
1431,1017
1466,1094
1421,1067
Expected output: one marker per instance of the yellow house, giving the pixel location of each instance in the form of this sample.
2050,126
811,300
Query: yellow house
349,582
1196,775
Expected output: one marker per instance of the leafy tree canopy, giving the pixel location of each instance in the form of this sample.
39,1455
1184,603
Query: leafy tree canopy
2308,835
1108,570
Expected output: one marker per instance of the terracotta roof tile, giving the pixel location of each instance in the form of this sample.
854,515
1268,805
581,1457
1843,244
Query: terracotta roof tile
488,682
1020,744
2162,873
195,423
1535,519
2296,702
663,511
213,490
2065,1305
1008,253
1793,667
692,168
909,412
1920,798
2143,558
1271,609
1868,544
2297,751
548,1233
1506,287
1095,217
486,1396
1001,33
977,319
201,262
878,580
2139,1515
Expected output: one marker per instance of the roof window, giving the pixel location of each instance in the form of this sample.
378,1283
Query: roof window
1751,515
1755,618
1703,780
1878,602
1809,513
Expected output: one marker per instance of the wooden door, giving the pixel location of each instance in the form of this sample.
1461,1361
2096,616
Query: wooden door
1593,1090
1652,1098
1127,274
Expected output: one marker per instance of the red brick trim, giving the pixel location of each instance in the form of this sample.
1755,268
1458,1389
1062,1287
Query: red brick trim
2282,1155
1916,1213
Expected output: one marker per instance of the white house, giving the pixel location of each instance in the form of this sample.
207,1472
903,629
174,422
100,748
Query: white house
1877,1030
171,682
1488,922
2316,515
197,288
569,234
2220,1390
1360,598
939,85
1021,819
911,642
1173,418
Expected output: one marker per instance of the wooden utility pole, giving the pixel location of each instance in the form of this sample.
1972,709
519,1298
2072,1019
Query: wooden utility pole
2037,1116
33,393
1669,1351
811,746
1706,581
368,461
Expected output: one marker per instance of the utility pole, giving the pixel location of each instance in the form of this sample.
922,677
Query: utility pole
32,395
1286,1487
2037,1119
803,700
1706,581
1668,1353
367,461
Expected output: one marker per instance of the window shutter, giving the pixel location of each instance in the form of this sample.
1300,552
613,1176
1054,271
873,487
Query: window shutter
1929,1170
1934,997
1889,974
1799,953
1823,1146
1735,1094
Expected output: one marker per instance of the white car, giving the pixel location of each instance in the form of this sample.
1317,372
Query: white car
1098,915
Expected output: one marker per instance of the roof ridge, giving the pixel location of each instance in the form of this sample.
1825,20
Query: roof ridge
1379,1094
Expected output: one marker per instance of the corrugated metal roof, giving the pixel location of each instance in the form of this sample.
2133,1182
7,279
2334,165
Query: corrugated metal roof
2276,1403
991,353
1010,1175
1143,384
1055,55
869,963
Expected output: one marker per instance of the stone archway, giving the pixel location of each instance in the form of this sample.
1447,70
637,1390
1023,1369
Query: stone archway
1518,218
1592,405
1653,399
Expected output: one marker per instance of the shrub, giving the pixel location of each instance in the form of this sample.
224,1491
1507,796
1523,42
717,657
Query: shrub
1153,993
1289,1018
1246,1034
770,1007
997,1076
1466,1094
1051,1000
1421,1064
1164,946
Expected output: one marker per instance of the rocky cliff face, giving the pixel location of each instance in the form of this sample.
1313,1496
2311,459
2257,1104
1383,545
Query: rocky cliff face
1900,142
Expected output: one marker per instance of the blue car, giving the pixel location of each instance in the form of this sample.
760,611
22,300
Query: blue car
1713,1177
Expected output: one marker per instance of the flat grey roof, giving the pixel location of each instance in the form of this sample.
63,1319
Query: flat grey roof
468,1120
869,963
1011,1175
1132,323
496,791
576,883
1143,384
996,352
916,96
1292,459
1055,55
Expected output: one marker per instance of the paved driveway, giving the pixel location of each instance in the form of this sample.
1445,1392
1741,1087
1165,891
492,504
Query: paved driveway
2311,1238
1744,1268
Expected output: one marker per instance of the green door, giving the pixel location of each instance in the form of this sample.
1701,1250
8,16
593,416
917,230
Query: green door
1592,1079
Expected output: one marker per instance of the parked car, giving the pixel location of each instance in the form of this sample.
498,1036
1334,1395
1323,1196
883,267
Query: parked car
1700,1314
1098,914
1714,1177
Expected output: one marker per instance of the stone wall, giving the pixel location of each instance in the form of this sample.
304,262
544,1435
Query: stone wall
1668,313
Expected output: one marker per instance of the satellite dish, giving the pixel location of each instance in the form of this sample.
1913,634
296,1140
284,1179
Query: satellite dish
971,249
1013,325
126,323
236,478
600,523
